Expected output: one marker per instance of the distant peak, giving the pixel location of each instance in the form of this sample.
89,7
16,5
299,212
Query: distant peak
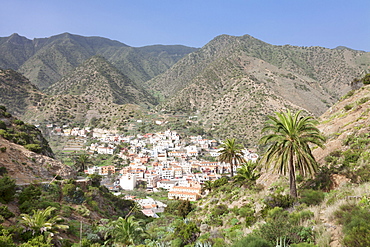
16,39
342,48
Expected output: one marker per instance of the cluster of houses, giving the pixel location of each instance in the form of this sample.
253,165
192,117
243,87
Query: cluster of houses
161,161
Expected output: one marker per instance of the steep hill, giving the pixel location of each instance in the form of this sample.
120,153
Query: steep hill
95,108
98,81
235,81
17,92
24,152
347,126
46,60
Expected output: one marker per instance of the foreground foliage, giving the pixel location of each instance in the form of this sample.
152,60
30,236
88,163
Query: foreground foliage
289,136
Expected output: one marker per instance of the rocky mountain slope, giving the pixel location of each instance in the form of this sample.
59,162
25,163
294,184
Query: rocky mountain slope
344,175
346,126
97,80
46,60
17,92
24,152
95,108
233,82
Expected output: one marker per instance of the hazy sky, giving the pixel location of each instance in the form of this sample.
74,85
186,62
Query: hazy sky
326,23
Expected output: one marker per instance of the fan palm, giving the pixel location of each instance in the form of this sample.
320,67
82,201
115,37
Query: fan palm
231,153
42,222
289,137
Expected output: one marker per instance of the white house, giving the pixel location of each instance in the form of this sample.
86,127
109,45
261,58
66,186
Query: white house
128,181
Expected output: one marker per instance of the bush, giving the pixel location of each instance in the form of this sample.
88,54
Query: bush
4,211
18,122
3,171
348,107
30,193
219,182
219,210
252,241
366,79
2,125
355,221
33,147
7,189
279,200
311,197
303,245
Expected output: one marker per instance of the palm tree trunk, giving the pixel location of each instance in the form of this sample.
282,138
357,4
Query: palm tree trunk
292,182
232,167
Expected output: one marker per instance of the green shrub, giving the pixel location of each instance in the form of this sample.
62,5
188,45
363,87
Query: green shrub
303,245
33,147
366,79
299,216
311,197
3,171
2,125
356,227
247,212
3,149
350,157
280,224
363,100
279,200
7,189
219,182
18,122
4,211
252,241
30,193
348,107
219,209
322,180
349,94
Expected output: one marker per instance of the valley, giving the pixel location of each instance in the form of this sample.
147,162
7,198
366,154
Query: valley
107,136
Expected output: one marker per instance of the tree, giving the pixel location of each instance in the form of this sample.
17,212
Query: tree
125,231
208,185
289,137
184,208
231,153
42,221
247,173
81,162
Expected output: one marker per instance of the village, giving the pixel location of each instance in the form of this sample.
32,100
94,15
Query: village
160,161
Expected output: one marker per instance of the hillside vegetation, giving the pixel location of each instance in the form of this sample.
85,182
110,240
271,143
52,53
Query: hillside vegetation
233,82
46,60
17,92
251,209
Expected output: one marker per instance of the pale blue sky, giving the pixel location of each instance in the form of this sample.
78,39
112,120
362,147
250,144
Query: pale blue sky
326,23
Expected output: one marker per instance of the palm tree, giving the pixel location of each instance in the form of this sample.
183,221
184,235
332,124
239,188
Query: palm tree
208,185
82,161
125,231
231,153
246,173
42,222
290,136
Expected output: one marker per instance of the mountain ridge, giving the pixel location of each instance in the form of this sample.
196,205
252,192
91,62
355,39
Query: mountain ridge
239,80
46,60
